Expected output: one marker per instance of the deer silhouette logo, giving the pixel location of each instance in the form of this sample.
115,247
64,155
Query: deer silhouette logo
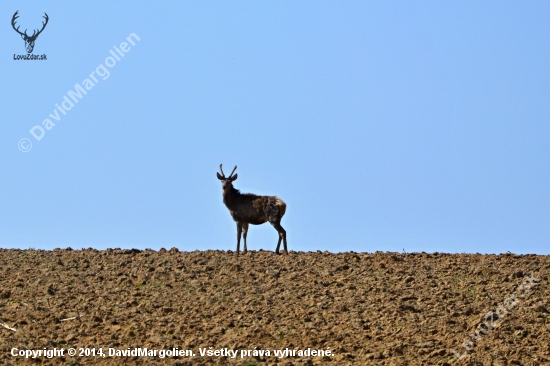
29,40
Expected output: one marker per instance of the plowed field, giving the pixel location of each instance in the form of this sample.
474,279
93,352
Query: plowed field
366,309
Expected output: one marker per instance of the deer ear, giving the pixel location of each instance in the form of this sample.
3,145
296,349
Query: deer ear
234,177
219,176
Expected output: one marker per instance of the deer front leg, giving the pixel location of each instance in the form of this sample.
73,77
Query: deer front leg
245,231
239,231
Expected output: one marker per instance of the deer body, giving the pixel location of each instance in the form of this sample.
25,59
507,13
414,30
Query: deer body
252,209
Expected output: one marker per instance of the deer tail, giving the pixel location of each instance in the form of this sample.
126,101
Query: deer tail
282,206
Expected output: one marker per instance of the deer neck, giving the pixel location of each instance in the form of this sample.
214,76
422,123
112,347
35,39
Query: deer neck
230,197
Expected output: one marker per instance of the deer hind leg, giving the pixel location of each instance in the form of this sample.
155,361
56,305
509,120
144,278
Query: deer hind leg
282,235
239,231
245,231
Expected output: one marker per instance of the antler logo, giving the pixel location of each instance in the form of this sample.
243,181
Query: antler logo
29,40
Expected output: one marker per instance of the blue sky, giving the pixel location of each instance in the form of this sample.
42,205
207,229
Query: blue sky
385,126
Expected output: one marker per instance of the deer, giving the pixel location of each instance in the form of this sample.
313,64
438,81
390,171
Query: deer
29,40
252,209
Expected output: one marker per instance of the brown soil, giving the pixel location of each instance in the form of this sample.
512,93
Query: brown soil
368,309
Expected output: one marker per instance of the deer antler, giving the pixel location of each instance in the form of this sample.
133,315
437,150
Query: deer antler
34,34
221,170
235,168
15,16
43,25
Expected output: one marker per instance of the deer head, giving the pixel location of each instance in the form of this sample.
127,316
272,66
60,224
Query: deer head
227,182
29,40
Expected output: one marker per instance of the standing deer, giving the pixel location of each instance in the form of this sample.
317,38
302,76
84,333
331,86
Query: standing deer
252,209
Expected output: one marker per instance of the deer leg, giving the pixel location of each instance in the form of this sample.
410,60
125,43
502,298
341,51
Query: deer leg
284,239
278,245
239,231
245,231
282,236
